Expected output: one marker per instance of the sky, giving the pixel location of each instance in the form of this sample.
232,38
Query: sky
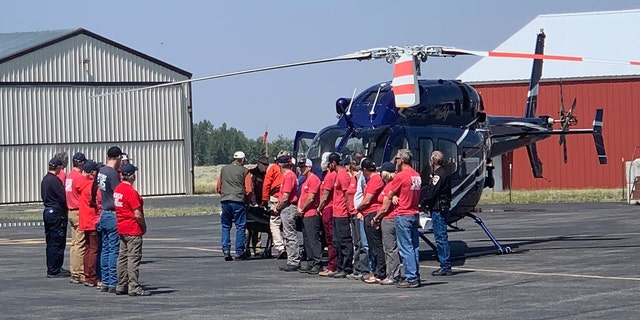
213,37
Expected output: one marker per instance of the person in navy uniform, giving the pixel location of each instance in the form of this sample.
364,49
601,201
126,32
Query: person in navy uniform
436,197
55,217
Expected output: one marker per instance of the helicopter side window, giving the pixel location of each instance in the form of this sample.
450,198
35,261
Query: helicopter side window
471,161
425,148
450,151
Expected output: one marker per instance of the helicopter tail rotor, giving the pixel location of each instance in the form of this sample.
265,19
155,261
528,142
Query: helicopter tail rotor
567,119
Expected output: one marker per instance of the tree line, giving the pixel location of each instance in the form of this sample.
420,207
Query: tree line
212,146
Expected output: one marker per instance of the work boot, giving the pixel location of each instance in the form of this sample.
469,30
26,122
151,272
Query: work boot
442,272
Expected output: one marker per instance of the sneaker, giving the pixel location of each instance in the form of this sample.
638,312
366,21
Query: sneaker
340,274
112,290
140,293
75,280
314,270
228,257
387,282
289,268
304,269
326,273
442,272
243,257
371,280
56,275
409,284
354,276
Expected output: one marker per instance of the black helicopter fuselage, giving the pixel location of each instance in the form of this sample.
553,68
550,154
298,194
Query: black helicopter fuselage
450,118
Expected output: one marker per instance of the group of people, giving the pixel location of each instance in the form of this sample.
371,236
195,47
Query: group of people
366,216
105,215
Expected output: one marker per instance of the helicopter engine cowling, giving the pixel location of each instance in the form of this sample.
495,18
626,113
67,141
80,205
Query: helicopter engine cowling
442,102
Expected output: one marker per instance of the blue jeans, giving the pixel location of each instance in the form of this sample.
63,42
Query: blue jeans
109,253
439,220
233,212
365,245
409,245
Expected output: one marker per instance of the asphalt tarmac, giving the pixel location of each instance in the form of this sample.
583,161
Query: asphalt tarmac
570,261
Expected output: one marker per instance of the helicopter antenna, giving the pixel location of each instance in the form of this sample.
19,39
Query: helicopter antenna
348,113
375,101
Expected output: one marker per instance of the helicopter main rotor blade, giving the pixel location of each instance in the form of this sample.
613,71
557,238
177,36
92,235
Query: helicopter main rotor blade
447,51
361,55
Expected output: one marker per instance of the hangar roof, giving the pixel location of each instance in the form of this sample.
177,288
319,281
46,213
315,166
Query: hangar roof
13,45
610,35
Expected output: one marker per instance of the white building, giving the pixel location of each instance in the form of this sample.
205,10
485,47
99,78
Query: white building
47,83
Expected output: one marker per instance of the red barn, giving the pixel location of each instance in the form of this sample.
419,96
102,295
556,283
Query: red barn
503,84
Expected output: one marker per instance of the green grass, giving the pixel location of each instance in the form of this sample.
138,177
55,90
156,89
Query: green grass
206,178
552,196
148,213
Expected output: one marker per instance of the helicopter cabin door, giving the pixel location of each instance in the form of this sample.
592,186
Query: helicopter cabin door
301,144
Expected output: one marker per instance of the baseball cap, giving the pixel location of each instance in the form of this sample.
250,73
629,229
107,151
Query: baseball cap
114,152
91,165
306,163
368,164
125,156
263,159
79,157
54,162
284,159
238,155
334,157
387,166
346,160
128,169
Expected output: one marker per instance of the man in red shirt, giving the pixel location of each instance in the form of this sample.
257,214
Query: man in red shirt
367,210
131,227
287,207
342,240
325,208
406,184
311,223
73,186
270,195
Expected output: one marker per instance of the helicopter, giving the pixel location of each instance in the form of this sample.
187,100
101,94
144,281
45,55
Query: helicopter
426,115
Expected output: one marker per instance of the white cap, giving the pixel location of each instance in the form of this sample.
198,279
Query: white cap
308,163
238,155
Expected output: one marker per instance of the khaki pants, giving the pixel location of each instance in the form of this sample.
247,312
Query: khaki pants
77,246
129,263
274,225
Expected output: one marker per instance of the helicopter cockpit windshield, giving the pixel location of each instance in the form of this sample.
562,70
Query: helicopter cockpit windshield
375,144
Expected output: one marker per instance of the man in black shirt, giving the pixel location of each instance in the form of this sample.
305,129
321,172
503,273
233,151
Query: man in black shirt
55,217
437,198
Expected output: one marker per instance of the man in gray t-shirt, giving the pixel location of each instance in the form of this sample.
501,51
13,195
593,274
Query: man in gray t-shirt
108,180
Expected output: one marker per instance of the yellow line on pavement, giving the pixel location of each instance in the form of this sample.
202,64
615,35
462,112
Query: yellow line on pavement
545,274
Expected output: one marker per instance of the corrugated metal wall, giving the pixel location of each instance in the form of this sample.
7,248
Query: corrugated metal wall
153,127
65,62
620,100
159,165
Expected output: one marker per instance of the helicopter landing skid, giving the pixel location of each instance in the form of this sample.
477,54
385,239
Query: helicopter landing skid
501,249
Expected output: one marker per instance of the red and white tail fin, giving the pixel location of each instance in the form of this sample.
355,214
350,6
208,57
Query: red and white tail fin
405,82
